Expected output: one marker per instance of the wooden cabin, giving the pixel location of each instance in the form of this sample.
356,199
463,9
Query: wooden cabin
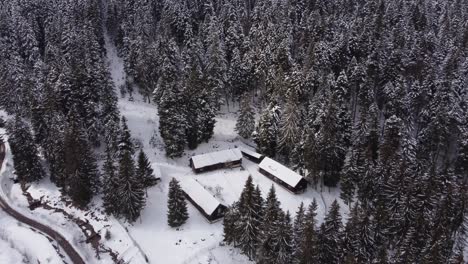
282,175
252,155
203,200
228,158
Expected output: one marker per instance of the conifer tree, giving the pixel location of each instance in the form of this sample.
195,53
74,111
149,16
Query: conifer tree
271,217
248,225
125,143
267,132
81,172
110,184
232,215
130,191
308,247
282,252
331,238
177,206
245,125
144,172
25,154
298,229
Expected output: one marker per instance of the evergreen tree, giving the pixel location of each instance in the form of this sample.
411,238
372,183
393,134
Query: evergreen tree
245,125
27,165
271,217
231,216
248,225
331,237
110,184
130,191
144,172
80,171
308,247
266,132
177,206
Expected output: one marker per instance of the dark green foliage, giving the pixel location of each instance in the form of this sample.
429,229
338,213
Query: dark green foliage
177,213
245,125
130,190
331,237
144,172
110,184
28,167
81,175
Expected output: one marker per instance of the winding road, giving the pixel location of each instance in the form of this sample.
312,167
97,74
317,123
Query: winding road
64,244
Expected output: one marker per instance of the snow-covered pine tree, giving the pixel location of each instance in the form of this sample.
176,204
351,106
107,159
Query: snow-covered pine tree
125,143
248,225
298,230
27,165
177,206
231,216
245,125
266,133
144,171
110,184
81,172
308,249
282,236
331,236
130,192
290,124
271,216
173,123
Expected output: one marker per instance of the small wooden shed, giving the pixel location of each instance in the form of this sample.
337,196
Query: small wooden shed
282,175
228,158
203,200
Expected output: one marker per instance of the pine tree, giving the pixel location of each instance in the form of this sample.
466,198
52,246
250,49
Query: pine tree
331,237
267,132
110,184
130,191
290,123
125,143
25,154
308,251
282,236
245,125
248,225
231,216
177,206
80,171
271,216
144,172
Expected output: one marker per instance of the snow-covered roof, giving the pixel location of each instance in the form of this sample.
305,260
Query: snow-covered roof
280,171
200,195
251,153
212,158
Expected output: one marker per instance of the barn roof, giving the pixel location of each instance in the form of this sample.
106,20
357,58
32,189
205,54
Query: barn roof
251,153
200,195
280,171
212,158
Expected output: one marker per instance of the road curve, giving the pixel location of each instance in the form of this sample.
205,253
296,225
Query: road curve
64,244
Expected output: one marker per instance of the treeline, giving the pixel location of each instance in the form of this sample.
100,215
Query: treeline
55,81
366,95
267,234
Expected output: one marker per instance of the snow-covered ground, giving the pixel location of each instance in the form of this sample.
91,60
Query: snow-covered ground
197,241
20,244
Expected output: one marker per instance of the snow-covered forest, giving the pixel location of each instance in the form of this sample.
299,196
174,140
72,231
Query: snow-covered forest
366,99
